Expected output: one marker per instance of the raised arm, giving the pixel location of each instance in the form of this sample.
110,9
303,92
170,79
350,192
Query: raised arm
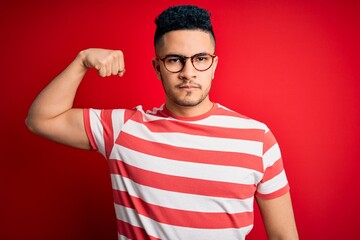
52,115
278,218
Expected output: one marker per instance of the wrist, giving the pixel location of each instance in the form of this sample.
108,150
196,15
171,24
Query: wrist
81,60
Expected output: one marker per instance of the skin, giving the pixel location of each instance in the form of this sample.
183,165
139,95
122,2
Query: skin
187,94
52,115
278,218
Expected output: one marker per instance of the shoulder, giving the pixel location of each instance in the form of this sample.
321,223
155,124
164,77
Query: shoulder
233,118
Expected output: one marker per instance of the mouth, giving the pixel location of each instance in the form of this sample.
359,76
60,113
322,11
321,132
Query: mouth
188,86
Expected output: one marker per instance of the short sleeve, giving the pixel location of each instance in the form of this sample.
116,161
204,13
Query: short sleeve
102,128
274,182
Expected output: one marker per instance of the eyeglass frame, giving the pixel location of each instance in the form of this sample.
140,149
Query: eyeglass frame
183,58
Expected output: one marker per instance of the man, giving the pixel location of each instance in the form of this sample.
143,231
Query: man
187,170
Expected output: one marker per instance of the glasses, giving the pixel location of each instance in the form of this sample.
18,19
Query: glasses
175,63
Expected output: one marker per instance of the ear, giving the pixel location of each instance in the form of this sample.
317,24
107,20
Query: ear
215,63
156,66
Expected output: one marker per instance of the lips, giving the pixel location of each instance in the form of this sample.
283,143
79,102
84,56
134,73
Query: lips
188,86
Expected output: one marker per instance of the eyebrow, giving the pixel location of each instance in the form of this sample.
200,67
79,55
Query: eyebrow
180,55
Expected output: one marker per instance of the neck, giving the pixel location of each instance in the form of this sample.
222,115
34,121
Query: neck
189,111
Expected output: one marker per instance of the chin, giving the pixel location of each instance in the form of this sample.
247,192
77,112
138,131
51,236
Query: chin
188,103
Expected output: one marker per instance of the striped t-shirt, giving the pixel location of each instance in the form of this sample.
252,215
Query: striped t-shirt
186,178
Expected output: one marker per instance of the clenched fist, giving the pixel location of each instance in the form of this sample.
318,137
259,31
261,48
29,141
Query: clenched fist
107,62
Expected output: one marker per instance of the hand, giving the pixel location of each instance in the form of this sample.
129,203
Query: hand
107,62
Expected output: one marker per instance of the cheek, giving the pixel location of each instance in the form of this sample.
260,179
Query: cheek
208,78
168,78
166,81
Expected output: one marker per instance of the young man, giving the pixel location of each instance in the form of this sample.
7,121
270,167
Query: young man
189,169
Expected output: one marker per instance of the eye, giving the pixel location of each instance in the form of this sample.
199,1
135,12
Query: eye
201,58
173,60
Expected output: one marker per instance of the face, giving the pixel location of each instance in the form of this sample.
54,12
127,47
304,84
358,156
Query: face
189,87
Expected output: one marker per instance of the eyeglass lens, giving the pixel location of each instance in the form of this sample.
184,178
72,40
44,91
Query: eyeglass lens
201,62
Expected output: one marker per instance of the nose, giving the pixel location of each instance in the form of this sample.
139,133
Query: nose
188,72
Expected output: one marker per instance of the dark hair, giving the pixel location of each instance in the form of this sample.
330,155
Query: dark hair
185,17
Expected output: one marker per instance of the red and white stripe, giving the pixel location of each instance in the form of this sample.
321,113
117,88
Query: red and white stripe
176,178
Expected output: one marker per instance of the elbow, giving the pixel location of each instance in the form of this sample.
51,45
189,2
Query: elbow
32,124
29,124
289,234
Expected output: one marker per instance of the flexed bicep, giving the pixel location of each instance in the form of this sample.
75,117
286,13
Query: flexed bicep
52,115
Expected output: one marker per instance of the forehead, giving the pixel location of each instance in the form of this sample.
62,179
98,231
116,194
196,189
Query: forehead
185,42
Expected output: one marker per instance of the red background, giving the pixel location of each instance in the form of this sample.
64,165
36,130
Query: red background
291,64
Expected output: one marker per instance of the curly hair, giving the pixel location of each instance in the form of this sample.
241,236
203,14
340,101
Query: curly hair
184,17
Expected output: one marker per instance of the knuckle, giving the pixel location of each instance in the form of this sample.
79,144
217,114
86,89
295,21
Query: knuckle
118,54
103,62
